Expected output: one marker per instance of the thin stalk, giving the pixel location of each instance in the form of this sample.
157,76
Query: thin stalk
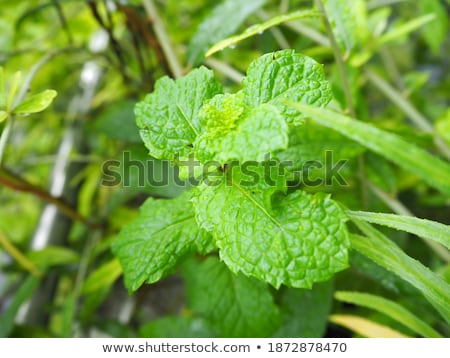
225,69
416,117
163,38
19,257
19,184
309,32
340,63
276,33
347,93
397,207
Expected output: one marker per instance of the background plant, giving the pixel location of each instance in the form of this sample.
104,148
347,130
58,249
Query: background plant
384,84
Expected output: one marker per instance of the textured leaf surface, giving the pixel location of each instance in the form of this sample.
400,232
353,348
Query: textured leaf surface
249,137
168,117
301,239
151,245
234,305
225,19
282,75
36,103
306,311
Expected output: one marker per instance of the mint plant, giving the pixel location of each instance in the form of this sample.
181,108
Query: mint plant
258,225
265,193
258,229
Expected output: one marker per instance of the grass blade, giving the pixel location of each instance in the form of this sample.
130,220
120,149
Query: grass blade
387,254
431,169
390,309
426,229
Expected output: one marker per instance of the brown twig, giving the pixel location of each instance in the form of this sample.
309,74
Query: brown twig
11,180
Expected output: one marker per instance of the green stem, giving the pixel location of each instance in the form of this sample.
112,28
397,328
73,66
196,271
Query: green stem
163,38
18,256
225,69
413,114
340,63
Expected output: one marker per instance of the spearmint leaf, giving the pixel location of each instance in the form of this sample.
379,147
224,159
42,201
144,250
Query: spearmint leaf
36,103
282,75
234,305
220,113
168,117
298,240
224,20
255,134
151,245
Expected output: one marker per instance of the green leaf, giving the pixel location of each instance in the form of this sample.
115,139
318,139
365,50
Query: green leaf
3,116
385,253
259,28
404,29
389,308
298,240
406,155
442,126
306,311
176,327
36,103
117,122
255,134
234,305
286,75
310,141
2,91
7,317
104,276
436,31
343,19
224,20
151,245
13,90
168,117
426,229
53,256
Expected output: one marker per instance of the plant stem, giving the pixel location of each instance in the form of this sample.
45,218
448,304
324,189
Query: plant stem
348,95
340,63
225,69
14,182
416,117
4,138
18,256
163,38
397,207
